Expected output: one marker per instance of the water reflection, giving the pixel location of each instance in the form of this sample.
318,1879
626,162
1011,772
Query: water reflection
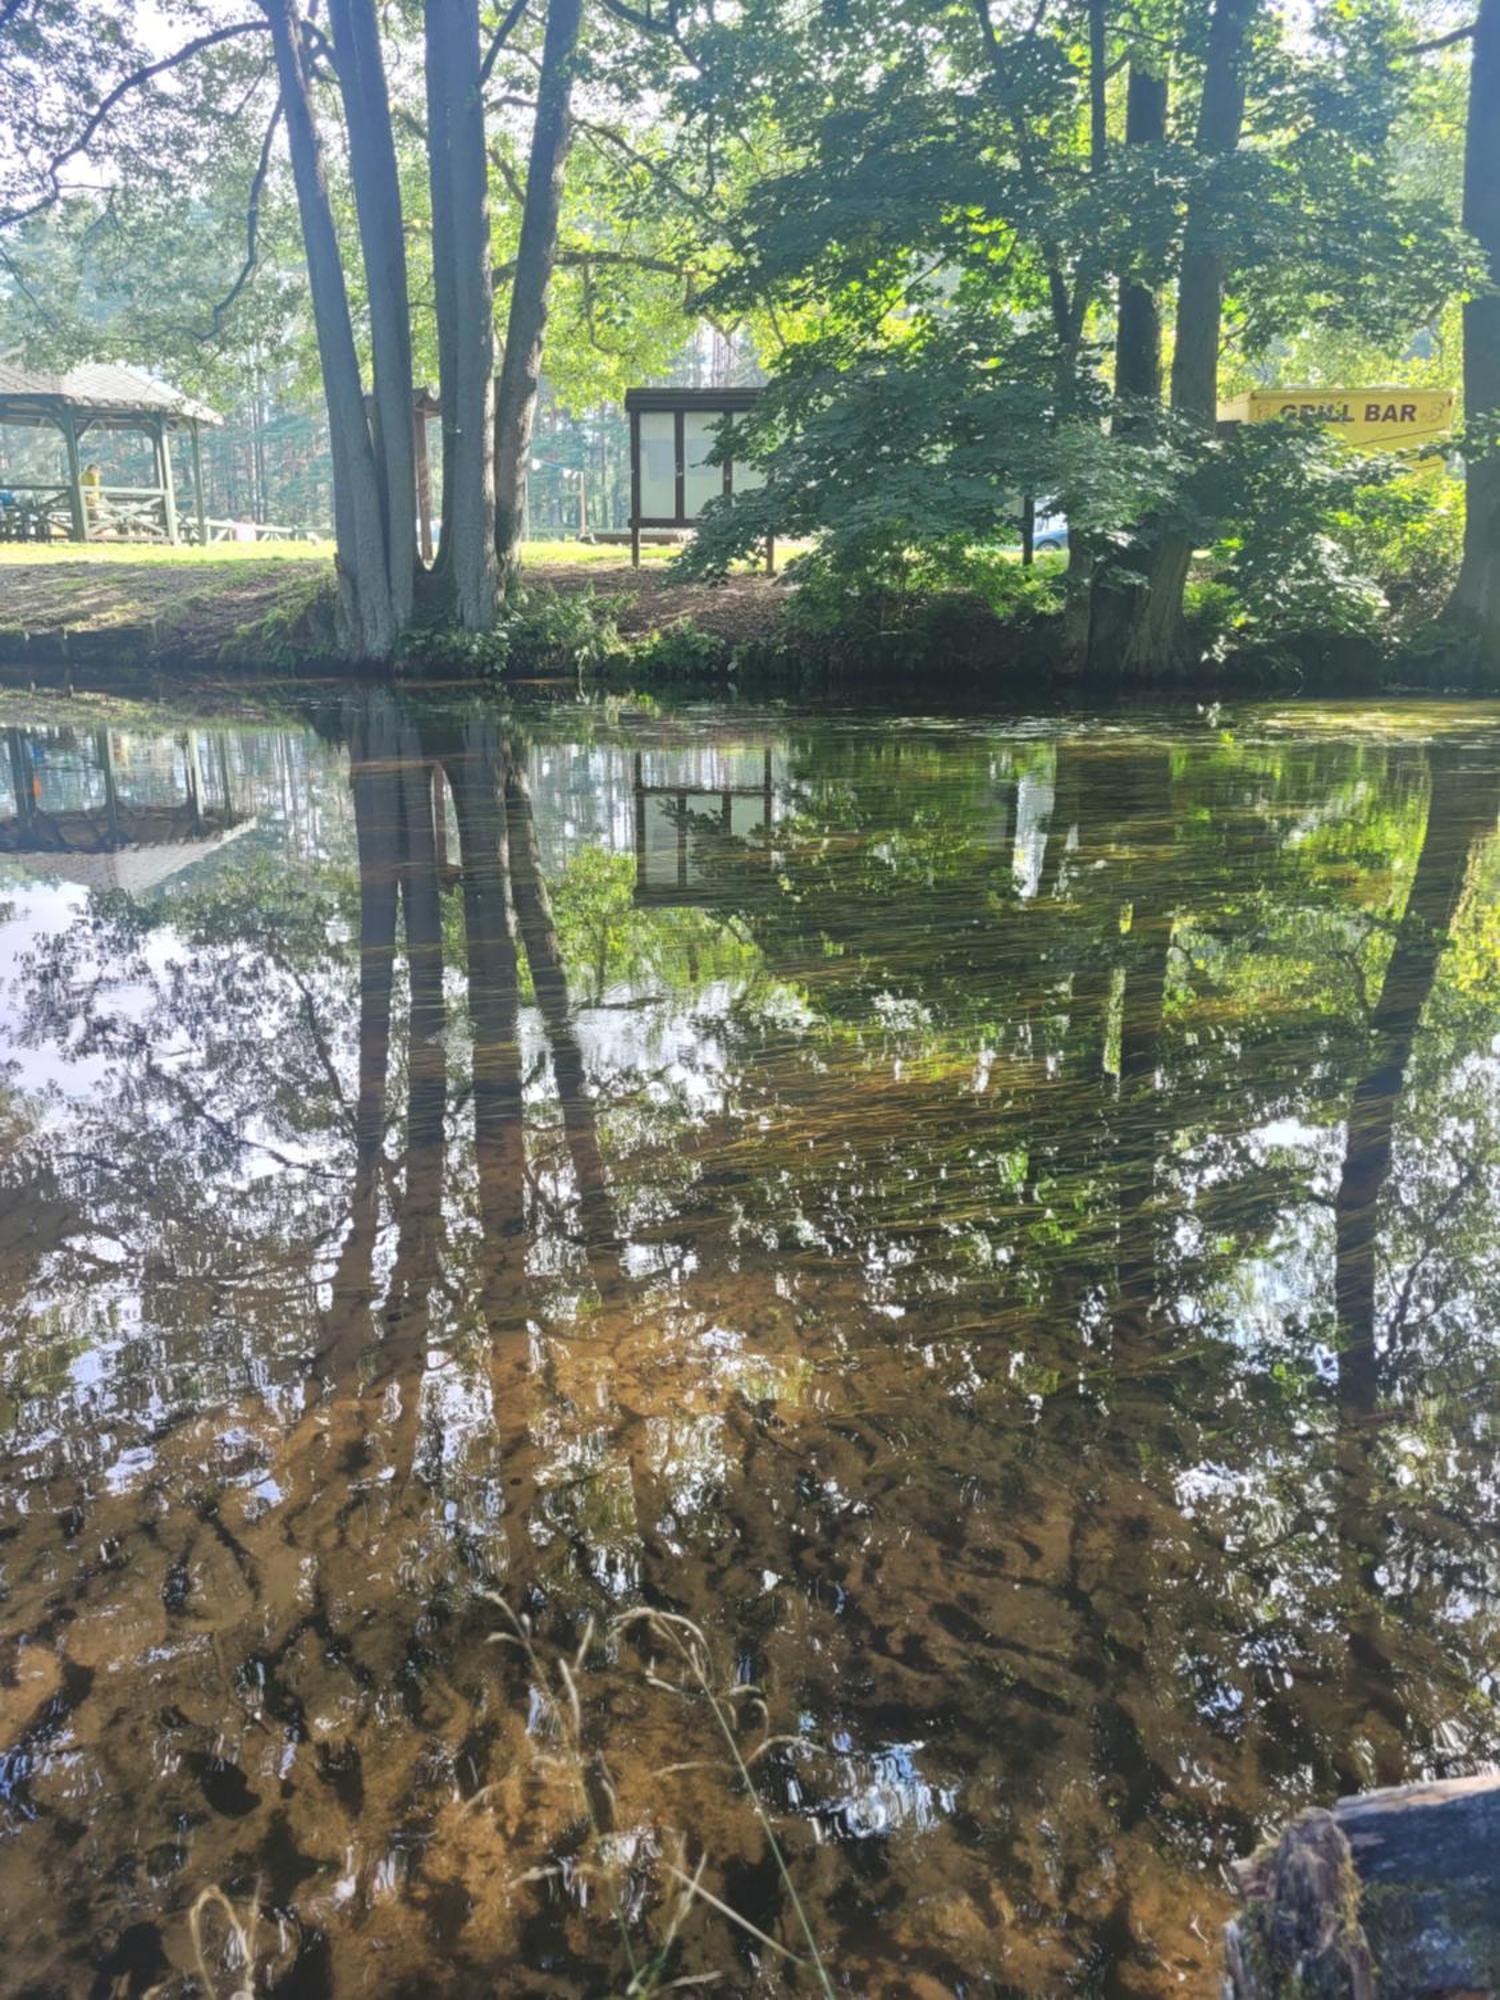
993,1225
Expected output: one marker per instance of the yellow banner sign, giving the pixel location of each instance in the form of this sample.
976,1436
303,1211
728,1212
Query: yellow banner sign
1379,419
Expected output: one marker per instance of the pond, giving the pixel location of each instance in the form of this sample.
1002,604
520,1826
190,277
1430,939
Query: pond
824,1352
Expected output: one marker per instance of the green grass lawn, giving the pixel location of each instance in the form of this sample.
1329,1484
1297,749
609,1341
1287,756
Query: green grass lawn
541,554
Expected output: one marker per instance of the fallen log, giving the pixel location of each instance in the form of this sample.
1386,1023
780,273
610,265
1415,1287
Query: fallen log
1394,1892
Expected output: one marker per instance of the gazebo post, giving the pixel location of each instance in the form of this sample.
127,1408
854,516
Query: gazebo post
75,477
198,483
164,479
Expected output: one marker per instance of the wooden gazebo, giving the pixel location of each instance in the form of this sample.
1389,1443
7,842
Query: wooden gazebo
99,396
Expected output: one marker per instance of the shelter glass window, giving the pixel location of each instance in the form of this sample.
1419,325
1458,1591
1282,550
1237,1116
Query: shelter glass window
658,465
703,482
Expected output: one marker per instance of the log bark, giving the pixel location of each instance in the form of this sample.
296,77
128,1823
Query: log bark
1398,1887
466,582
1475,604
1154,646
526,326
367,624
377,199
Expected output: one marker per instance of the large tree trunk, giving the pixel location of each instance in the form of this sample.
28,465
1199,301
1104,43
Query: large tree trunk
1476,597
1112,605
521,369
1154,646
377,196
367,623
466,580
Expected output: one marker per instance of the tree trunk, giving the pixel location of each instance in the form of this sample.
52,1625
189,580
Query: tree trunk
1138,329
377,197
521,368
1154,647
1113,605
1475,603
467,582
367,623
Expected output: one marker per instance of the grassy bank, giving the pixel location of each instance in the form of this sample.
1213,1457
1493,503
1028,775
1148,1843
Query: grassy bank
255,604
257,609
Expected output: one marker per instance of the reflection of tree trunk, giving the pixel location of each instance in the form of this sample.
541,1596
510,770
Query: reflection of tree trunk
377,806
494,994
549,978
1141,1109
1461,811
426,1077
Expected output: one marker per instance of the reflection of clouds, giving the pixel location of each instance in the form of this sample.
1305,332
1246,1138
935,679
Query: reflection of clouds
860,1794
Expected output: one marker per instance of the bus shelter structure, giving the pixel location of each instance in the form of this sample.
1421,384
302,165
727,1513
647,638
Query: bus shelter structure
93,398
672,432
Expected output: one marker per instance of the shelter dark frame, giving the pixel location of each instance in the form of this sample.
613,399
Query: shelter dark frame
101,396
679,404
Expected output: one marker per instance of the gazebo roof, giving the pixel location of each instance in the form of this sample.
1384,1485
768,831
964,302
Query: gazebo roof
98,389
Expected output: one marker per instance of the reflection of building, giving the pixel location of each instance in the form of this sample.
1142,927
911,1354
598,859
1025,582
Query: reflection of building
110,810
731,788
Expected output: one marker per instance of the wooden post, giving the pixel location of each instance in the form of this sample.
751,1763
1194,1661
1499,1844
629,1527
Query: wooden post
168,490
424,479
75,479
635,489
198,507
1028,531
770,555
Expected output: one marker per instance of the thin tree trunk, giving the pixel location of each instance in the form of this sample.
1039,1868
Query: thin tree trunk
521,368
465,308
1154,647
366,619
377,197
1476,597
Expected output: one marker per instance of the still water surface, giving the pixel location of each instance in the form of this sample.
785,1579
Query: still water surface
993,1223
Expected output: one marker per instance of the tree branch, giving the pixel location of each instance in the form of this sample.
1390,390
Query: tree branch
581,259
500,37
1442,41
108,102
252,231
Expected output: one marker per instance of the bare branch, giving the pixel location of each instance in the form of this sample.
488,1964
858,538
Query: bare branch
252,230
108,102
500,37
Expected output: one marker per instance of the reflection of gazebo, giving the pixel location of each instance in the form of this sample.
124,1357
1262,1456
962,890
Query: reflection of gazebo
81,808
99,396
665,871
